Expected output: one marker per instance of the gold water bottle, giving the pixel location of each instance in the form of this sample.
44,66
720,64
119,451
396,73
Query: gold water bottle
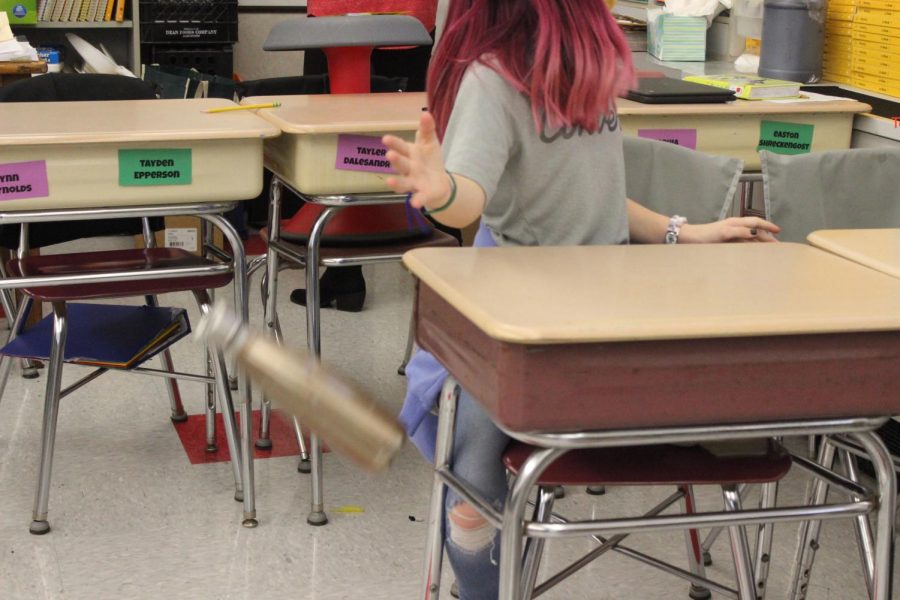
346,418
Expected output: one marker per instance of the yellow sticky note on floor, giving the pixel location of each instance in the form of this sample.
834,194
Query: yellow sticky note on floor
350,508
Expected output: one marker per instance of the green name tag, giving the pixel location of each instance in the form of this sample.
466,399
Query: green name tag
155,166
785,138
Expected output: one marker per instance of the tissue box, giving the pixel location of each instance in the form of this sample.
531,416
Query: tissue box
20,12
670,37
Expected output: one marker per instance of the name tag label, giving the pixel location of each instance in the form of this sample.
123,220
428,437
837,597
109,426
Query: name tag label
686,138
362,153
785,138
155,166
24,180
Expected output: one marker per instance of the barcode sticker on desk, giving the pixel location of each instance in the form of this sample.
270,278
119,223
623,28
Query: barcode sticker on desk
184,238
24,180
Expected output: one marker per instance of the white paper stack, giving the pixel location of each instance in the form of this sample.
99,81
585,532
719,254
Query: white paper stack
10,48
676,38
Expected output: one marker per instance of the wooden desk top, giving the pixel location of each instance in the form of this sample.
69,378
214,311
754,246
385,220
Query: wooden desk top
343,113
558,295
878,249
741,107
28,67
29,123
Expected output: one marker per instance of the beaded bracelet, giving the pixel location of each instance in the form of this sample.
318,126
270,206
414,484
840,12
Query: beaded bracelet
449,201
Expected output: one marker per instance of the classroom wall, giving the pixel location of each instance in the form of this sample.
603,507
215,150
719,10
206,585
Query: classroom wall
250,61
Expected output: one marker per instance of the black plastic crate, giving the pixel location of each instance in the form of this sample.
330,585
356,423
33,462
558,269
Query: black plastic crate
213,61
189,21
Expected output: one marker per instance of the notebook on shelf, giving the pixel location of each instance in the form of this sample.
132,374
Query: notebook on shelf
666,90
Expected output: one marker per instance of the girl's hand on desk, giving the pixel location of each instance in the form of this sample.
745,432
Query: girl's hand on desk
420,166
734,229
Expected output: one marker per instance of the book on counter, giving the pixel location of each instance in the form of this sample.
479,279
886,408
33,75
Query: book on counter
750,88
104,335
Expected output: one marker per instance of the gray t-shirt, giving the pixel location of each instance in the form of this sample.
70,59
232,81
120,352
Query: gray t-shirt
553,188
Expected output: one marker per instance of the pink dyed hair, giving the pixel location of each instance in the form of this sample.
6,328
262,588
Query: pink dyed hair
569,57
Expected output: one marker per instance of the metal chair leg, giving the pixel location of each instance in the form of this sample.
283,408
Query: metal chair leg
715,532
764,540
178,415
268,288
740,548
808,535
410,341
692,545
864,539
264,438
39,524
220,375
304,465
18,323
885,514
534,547
241,305
209,412
443,451
317,514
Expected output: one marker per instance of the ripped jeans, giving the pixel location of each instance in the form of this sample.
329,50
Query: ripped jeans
473,545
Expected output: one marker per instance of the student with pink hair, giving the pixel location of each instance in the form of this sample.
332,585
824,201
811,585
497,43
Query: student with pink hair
523,133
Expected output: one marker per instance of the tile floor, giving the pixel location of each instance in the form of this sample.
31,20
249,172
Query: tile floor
133,519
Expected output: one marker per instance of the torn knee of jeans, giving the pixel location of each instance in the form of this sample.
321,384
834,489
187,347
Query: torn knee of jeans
469,531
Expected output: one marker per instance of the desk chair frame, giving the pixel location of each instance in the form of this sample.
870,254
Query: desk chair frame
848,451
312,260
511,521
210,212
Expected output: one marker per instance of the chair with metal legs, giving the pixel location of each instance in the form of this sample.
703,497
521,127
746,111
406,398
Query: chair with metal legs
312,256
842,189
681,466
572,458
93,275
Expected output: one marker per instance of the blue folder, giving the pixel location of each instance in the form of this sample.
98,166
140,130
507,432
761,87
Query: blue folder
113,336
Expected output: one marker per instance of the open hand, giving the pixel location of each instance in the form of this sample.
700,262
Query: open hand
734,229
419,166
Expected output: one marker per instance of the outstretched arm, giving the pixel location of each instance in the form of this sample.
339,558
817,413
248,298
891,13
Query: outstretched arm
420,171
648,227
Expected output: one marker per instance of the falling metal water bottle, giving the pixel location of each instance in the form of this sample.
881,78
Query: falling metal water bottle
346,418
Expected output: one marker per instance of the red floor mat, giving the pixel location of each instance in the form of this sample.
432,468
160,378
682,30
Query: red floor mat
193,438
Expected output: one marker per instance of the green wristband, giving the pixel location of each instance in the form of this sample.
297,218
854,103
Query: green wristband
449,201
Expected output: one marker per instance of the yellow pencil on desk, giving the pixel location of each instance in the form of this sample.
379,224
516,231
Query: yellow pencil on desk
244,107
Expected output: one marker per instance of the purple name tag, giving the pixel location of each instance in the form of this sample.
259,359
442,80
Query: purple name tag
680,137
24,180
362,153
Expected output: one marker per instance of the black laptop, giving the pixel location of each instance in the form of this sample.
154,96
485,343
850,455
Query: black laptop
665,90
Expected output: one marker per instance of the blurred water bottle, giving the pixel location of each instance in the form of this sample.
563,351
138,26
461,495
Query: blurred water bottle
792,37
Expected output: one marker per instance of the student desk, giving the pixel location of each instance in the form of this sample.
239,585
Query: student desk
877,249
574,347
733,128
65,161
320,132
